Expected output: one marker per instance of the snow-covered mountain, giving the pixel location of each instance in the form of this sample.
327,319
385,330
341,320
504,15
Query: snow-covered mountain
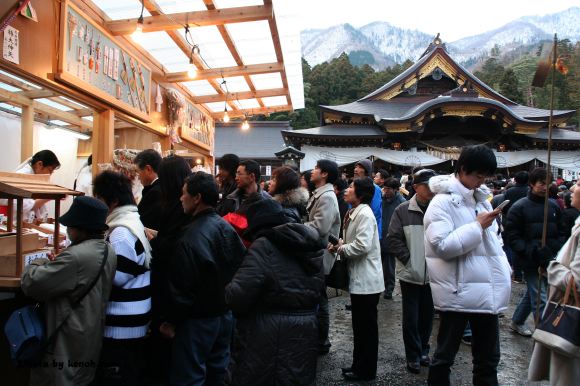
384,44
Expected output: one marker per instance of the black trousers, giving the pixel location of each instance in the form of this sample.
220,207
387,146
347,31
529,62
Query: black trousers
389,265
122,362
484,347
417,319
366,334
323,321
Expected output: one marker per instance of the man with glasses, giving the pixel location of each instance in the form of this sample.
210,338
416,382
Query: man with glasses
468,269
247,182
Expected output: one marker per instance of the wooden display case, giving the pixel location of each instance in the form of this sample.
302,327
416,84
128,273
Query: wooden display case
18,187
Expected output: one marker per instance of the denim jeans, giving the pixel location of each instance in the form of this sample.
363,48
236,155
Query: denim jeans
201,351
484,347
528,302
417,319
389,265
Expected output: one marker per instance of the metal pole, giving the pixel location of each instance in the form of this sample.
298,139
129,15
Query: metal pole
548,165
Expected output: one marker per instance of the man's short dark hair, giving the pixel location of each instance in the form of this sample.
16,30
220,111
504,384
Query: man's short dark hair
229,163
205,185
392,183
341,184
329,167
568,199
252,167
522,177
113,188
47,157
384,174
538,174
476,158
364,189
148,157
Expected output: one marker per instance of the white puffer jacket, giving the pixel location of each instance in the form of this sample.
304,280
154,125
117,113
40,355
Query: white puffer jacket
468,269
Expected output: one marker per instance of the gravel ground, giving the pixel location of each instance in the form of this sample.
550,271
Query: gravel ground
515,350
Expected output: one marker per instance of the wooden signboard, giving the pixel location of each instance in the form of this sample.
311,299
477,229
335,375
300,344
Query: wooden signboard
198,128
91,60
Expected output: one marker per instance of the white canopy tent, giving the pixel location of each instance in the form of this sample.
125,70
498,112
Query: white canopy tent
567,160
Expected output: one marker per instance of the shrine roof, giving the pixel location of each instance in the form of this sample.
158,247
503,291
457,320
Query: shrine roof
338,131
558,135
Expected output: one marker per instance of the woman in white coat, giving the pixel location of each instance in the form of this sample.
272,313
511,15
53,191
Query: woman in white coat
547,364
360,246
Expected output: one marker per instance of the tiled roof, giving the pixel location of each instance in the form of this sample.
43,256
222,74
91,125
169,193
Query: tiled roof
338,131
561,135
262,140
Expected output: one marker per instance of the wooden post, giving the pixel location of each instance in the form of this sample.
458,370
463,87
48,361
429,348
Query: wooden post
9,224
103,138
19,205
26,133
56,226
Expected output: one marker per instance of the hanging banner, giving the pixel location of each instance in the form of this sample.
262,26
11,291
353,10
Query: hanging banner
92,61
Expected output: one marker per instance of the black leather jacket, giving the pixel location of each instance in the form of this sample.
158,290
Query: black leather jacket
206,258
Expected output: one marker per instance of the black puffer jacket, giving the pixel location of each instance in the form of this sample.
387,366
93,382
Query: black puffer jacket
206,258
524,227
274,295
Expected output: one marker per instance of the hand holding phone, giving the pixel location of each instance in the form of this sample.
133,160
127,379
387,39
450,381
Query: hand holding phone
502,205
332,239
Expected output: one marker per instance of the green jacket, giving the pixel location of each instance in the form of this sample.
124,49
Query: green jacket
72,359
406,242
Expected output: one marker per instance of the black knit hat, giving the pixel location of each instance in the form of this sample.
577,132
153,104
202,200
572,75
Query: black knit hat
86,213
265,213
367,165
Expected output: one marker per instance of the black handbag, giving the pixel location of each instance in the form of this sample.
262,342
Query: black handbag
559,328
338,275
26,332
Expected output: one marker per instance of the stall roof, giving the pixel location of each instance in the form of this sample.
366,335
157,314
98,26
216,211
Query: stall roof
252,45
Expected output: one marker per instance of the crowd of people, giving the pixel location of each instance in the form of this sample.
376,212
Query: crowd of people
221,280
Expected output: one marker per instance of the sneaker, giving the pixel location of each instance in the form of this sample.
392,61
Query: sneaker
519,280
388,296
521,329
466,340
425,361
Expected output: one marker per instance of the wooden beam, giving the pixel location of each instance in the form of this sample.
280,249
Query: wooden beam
226,72
37,94
240,95
176,21
26,133
68,103
15,82
249,112
83,112
14,98
103,138
65,116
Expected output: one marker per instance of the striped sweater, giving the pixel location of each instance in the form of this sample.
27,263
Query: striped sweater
129,308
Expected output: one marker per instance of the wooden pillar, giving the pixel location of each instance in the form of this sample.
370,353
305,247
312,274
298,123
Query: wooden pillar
27,133
103,138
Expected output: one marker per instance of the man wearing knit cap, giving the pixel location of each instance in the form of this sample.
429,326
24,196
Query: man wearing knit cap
364,168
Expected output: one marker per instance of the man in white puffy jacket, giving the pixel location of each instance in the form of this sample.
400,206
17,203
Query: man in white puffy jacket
469,272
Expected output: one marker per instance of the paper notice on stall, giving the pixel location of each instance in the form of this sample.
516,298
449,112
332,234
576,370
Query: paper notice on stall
116,65
11,46
111,61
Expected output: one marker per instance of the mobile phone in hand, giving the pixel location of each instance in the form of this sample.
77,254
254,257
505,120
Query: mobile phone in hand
502,205
332,239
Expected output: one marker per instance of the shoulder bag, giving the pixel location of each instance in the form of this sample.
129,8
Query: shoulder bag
25,329
559,327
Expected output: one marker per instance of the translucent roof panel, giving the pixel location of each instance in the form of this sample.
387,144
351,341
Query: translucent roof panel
54,104
253,41
32,85
58,122
237,84
175,6
200,87
266,81
275,101
236,3
121,9
6,106
212,47
7,87
215,107
247,104
79,106
162,48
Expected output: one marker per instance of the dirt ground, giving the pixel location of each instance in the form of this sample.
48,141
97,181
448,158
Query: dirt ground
515,349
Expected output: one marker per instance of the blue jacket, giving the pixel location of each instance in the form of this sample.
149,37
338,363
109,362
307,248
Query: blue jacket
377,207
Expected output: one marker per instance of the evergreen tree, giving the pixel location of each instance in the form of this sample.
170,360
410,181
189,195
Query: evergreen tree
509,86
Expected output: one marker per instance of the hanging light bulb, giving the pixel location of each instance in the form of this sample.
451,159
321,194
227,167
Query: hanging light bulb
138,33
245,124
192,70
226,118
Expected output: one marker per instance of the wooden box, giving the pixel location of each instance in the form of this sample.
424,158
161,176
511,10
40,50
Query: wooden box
30,242
9,263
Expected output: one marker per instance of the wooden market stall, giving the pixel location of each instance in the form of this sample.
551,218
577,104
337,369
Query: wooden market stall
19,248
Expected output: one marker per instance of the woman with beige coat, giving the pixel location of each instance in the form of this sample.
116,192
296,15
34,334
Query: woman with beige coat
360,246
546,364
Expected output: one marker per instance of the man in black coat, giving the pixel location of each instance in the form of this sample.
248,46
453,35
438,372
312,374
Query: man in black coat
206,258
149,207
514,193
524,228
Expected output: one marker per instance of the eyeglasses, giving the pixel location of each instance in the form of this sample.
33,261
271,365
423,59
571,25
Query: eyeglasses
241,174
